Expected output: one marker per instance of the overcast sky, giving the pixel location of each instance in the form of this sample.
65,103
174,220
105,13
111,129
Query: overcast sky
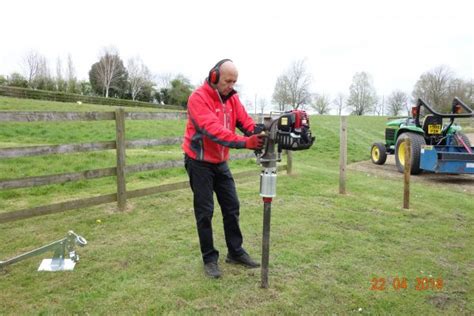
394,41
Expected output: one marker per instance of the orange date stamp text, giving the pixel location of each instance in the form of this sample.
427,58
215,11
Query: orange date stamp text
403,283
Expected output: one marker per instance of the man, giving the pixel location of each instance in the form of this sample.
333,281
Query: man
214,111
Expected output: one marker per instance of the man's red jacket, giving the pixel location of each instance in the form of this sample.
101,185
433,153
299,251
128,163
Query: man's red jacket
212,119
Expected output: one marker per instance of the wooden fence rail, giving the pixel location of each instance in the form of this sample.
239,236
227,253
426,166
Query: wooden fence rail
75,148
119,171
102,199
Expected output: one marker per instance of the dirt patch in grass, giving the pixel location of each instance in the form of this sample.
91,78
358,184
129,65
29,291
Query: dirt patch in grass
443,300
461,182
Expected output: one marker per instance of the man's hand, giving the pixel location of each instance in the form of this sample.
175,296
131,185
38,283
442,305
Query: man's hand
255,141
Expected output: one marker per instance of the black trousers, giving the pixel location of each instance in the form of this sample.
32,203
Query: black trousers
206,178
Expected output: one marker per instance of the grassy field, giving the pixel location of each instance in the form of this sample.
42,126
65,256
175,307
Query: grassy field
330,254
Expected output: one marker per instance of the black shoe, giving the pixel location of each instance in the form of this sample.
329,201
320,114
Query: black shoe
244,260
212,270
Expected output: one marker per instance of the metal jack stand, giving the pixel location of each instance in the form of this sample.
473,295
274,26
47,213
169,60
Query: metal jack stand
58,262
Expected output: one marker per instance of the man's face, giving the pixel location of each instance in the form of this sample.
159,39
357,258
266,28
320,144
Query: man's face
227,80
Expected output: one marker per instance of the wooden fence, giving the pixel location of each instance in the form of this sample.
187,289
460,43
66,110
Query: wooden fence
119,171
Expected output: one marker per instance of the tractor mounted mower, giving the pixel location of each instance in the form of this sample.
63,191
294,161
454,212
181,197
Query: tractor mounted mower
437,143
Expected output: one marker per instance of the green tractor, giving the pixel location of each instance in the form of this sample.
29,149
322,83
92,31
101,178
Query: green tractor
452,149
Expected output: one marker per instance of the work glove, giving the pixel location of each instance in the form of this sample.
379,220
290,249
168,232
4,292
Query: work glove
260,127
255,142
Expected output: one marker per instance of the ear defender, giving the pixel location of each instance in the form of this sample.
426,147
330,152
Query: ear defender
214,73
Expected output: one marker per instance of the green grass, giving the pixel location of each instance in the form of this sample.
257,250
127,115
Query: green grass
325,248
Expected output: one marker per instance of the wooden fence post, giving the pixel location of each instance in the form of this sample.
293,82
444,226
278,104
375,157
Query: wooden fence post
289,162
120,142
406,174
342,155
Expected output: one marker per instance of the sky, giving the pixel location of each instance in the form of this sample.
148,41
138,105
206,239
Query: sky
394,41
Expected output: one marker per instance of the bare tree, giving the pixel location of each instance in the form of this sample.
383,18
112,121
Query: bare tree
299,80
281,93
321,104
379,105
397,103
339,103
108,73
433,87
292,87
43,79
139,76
32,63
71,76
440,85
462,89
61,84
164,80
362,97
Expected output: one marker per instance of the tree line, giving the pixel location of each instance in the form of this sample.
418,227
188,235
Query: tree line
108,77
437,86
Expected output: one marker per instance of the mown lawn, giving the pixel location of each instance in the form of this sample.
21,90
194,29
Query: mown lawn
327,250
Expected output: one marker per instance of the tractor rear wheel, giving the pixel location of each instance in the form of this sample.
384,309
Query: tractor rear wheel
416,141
378,153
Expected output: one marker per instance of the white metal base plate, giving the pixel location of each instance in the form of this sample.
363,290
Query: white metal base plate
65,265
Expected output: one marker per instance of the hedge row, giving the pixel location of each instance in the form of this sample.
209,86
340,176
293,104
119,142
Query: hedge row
26,93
